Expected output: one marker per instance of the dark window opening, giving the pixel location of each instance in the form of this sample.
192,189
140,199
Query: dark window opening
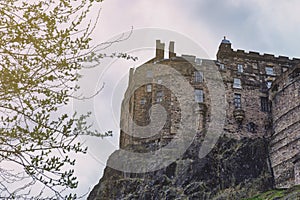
252,127
265,104
171,170
159,96
198,77
237,101
275,88
143,101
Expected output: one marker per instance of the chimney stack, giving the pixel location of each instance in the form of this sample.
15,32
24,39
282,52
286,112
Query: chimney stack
160,50
171,50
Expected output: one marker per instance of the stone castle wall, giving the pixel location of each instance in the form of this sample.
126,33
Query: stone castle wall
285,145
144,96
256,72
247,78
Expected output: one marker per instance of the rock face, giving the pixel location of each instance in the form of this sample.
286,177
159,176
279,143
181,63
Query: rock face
234,169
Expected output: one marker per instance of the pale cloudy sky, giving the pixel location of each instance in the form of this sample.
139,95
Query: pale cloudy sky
267,26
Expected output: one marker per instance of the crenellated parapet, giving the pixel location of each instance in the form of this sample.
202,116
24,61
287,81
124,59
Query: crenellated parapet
226,52
283,81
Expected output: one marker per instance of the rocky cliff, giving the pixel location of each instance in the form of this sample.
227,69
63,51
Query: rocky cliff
234,169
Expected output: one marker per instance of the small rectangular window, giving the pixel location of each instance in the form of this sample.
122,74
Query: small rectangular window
199,96
149,74
237,83
149,88
237,101
269,84
159,81
198,61
159,96
143,101
265,104
222,67
198,76
269,71
240,68
254,65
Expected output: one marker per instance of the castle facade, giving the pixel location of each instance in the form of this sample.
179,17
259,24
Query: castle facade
260,97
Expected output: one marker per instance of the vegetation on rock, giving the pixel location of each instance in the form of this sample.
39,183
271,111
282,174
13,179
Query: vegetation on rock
279,194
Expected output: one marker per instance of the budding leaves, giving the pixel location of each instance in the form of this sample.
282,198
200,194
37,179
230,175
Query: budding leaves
40,47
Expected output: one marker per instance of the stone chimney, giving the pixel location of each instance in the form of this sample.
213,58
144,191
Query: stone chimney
160,50
171,50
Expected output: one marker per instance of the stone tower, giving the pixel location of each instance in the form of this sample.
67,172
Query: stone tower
285,141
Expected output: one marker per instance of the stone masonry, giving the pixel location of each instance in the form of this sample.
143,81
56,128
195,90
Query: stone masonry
261,94
285,142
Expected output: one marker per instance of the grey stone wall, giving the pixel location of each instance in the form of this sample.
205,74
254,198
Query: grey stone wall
285,145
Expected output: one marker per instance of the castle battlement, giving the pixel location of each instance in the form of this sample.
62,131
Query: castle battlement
226,52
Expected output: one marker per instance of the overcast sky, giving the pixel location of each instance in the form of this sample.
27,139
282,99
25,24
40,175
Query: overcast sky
268,26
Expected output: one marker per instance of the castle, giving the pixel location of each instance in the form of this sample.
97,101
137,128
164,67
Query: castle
261,99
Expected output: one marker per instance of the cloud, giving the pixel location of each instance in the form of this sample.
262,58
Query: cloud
252,25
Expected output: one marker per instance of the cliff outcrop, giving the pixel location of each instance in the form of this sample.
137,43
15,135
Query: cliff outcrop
234,169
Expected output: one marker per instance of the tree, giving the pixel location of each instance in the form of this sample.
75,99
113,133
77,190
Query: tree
43,45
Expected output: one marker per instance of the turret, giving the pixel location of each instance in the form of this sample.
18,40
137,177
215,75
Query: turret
224,49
